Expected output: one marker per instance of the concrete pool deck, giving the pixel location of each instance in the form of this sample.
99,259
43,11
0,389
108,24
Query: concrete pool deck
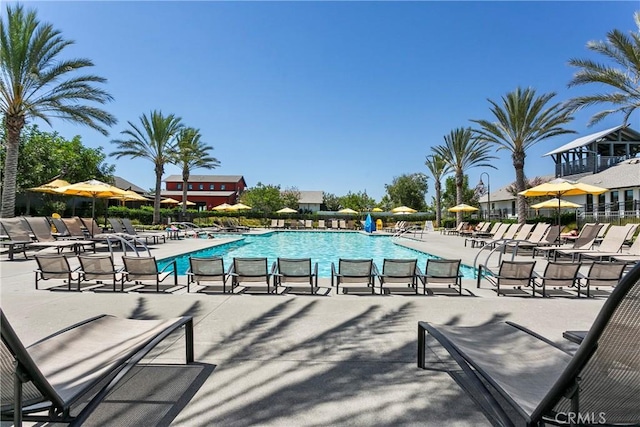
285,360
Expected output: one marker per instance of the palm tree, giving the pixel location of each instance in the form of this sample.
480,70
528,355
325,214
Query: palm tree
192,153
153,141
36,82
625,81
522,121
463,151
438,168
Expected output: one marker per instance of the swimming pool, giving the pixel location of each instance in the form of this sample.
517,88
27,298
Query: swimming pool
322,247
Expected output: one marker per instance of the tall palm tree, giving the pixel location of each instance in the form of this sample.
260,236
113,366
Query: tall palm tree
153,141
192,153
36,82
438,168
624,81
523,120
462,151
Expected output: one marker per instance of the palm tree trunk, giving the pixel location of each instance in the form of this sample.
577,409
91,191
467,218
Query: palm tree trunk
156,202
459,184
518,164
438,202
14,127
185,180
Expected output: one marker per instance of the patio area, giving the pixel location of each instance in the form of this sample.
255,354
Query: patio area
282,360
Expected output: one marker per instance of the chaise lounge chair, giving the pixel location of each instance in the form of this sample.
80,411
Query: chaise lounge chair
400,271
250,270
55,266
557,275
441,274
97,352
353,271
295,270
516,275
206,272
538,382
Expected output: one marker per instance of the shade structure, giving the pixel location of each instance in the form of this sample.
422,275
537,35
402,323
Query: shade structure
376,210
240,207
347,211
562,187
222,207
91,188
51,187
130,196
403,210
287,210
462,207
555,203
169,201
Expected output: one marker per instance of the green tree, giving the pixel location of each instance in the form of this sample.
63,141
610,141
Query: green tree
463,151
290,197
438,168
450,192
331,202
153,141
35,81
409,190
263,198
623,81
522,121
191,153
359,201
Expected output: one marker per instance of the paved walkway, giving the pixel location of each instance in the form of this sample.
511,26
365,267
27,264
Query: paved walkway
291,360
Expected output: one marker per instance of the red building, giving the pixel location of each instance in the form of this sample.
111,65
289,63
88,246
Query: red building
206,191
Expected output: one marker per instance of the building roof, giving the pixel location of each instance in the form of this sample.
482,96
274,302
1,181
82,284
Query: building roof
623,175
630,135
124,184
206,178
311,197
192,193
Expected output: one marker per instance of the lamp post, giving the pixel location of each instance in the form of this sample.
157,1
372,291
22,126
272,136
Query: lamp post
480,188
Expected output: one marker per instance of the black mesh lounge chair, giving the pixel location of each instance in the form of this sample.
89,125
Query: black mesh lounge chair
90,358
77,236
612,242
542,383
41,230
56,266
558,276
142,270
399,271
295,270
129,229
207,272
19,239
511,274
250,270
440,274
353,271
101,269
601,274
584,240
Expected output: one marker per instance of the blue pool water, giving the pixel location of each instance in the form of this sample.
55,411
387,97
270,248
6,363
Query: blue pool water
322,247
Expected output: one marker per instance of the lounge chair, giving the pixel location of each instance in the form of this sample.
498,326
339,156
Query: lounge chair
75,228
19,239
631,255
308,224
456,230
321,224
353,271
207,272
141,270
481,241
537,234
537,381
584,241
119,229
41,230
440,274
99,268
93,228
399,271
479,227
250,270
274,223
55,266
342,224
511,274
295,270
129,229
280,223
557,275
66,234
612,247
508,234
90,357
612,243
601,274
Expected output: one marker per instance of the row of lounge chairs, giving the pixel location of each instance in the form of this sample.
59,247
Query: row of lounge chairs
519,377
559,278
331,224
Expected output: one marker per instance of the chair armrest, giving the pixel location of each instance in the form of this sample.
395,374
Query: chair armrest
175,267
274,268
374,269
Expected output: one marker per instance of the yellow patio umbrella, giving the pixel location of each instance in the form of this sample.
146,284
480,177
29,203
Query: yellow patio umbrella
347,211
462,207
376,210
562,187
240,207
403,210
51,187
286,210
169,201
130,196
555,203
222,207
188,203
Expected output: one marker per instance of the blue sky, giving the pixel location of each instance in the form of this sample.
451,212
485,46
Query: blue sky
332,96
